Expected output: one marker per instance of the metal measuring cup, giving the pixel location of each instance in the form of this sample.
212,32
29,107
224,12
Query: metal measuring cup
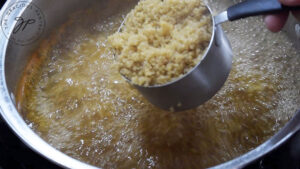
203,81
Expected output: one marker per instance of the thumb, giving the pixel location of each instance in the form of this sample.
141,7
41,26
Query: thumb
290,2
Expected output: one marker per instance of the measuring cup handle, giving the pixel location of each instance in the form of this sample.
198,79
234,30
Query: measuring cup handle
256,7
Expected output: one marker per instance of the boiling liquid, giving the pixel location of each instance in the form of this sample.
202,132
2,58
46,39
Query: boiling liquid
77,101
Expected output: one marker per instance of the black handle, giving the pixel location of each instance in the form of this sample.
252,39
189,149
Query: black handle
256,7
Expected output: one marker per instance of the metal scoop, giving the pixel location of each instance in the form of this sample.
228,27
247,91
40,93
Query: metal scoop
207,77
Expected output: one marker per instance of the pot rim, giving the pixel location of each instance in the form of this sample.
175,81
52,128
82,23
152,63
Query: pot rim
36,143
14,119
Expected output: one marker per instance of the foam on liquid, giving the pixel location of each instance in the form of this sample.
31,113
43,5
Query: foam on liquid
80,104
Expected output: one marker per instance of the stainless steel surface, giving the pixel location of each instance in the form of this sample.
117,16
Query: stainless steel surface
12,62
221,17
283,135
199,84
13,59
202,82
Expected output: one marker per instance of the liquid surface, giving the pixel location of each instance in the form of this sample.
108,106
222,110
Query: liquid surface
77,101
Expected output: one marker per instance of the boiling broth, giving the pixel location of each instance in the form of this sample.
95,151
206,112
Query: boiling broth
72,95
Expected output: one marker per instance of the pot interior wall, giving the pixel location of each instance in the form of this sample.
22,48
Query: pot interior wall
55,13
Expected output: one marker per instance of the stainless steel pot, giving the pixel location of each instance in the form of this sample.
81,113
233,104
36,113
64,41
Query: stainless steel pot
14,55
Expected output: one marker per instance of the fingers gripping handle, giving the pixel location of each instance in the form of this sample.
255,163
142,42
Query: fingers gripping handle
256,7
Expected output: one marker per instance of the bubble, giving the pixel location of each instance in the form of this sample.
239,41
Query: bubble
82,106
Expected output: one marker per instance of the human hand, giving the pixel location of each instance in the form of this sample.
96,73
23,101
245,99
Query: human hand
275,22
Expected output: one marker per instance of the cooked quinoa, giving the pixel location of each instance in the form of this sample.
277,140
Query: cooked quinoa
162,40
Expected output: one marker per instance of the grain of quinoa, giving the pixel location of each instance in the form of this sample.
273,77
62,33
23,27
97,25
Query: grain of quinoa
162,40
